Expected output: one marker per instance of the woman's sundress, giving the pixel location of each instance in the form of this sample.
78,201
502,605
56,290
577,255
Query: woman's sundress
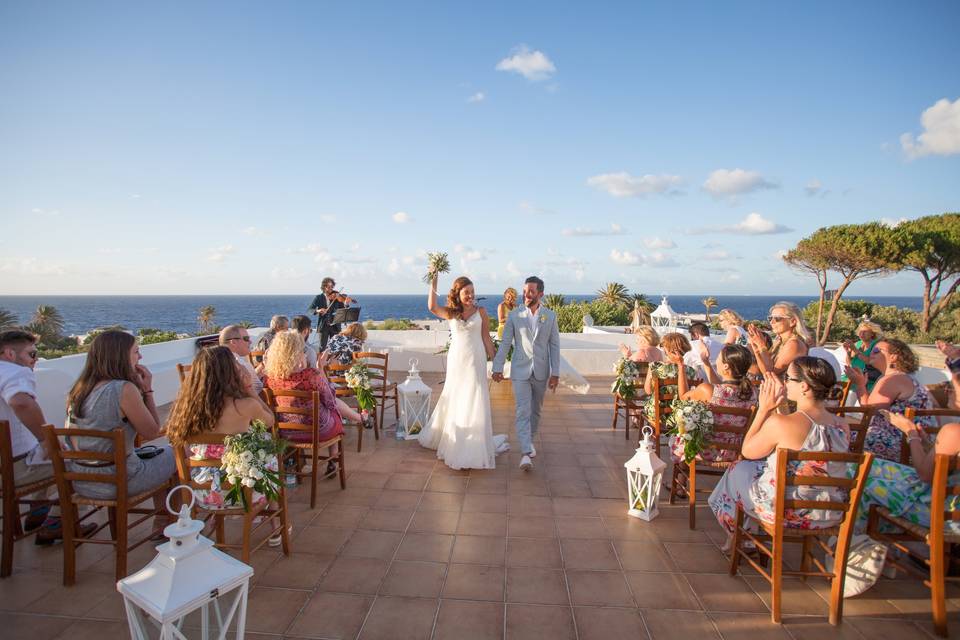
883,439
899,488
752,484
331,424
214,497
724,395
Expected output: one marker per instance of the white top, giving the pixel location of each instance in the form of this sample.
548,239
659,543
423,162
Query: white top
692,358
15,379
245,363
532,319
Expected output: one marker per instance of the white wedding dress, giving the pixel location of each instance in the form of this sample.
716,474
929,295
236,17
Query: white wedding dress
461,427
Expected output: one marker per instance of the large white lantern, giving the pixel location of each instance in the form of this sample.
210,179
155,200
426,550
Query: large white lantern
187,574
644,474
415,398
664,319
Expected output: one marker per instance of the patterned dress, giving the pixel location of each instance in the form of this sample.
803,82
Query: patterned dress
214,497
724,395
900,489
331,425
883,439
752,484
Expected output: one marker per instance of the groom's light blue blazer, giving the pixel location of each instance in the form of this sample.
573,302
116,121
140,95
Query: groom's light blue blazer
535,354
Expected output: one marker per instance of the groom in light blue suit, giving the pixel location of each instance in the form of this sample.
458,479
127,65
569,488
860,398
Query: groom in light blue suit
533,333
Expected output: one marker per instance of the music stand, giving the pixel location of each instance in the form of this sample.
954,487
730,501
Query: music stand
346,315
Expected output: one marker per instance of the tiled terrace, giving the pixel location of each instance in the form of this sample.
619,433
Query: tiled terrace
414,550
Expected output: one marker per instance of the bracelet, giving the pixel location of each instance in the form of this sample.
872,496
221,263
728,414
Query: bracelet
914,438
146,392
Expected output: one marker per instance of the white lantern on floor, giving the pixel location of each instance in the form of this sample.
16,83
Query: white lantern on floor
187,574
644,474
415,398
664,319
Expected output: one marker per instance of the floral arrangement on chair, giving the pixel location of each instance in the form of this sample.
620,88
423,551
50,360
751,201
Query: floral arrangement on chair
250,460
628,373
437,263
664,371
692,422
358,379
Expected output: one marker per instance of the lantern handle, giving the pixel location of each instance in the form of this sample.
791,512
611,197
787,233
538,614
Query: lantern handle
413,362
193,498
646,431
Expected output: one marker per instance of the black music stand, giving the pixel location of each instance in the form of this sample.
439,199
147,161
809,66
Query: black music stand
346,316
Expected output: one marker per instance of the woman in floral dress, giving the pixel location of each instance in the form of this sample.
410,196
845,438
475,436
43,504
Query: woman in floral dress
791,341
897,389
733,389
751,483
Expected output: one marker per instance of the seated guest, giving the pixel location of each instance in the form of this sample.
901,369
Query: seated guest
733,389
277,324
896,389
236,338
904,489
868,334
346,343
792,337
114,390
755,374
19,407
287,369
701,342
952,362
751,483
647,341
733,323
674,346
301,324
508,304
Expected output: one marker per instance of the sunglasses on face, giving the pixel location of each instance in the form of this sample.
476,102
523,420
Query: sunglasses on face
244,338
777,318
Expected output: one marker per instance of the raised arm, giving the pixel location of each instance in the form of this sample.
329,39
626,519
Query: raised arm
763,435
432,304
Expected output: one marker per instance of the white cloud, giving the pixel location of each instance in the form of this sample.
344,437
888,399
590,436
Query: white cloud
311,249
890,222
286,273
733,182
529,207
407,260
532,65
512,270
219,254
394,267
815,188
328,218
659,243
255,232
781,254
623,185
615,230
479,96
31,267
753,225
719,254
401,217
627,258
941,131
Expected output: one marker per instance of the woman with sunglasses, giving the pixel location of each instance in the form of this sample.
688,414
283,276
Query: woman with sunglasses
896,389
751,483
790,343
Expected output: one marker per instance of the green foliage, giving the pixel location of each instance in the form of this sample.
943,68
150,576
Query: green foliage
246,324
93,334
896,322
931,246
642,300
46,323
709,303
391,324
155,336
615,293
570,317
492,324
554,301
607,314
8,320
205,320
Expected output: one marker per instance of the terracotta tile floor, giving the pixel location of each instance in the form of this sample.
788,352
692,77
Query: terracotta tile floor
413,549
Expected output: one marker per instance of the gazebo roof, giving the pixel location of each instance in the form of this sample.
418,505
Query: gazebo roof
664,310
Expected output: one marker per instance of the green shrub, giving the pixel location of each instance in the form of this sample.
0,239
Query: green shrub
570,317
155,336
391,324
609,314
93,334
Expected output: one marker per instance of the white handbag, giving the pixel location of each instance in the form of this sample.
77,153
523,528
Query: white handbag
864,564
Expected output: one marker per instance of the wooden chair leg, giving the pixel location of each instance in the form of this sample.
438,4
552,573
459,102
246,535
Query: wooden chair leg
396,405
245,542
68,519
806,555
692,493
626,422
735,545
314,476
776,579
120,540
360,429
616,412
340,465
10,516
377,415
674,479
112,519
219,529
938,563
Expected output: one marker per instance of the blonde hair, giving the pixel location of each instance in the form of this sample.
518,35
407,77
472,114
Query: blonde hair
675,342
510,294
731,316
355,330
285,355
793,312
647,333
873,327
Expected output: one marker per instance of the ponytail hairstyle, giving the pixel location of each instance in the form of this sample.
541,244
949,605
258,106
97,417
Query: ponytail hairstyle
454,306
739,359
817,373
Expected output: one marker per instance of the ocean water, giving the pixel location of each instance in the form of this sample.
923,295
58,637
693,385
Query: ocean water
179,313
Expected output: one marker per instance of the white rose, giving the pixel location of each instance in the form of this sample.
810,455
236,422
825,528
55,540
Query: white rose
248,482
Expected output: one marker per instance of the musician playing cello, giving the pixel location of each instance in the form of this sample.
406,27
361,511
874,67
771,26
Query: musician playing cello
324,306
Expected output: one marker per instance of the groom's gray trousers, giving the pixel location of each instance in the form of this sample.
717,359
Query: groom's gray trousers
529,398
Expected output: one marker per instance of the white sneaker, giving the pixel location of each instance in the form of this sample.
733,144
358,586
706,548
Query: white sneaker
525,463
533,451
275,539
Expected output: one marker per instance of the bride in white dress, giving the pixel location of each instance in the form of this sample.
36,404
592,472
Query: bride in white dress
461,427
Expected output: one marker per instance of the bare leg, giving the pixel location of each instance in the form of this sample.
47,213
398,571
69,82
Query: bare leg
347,412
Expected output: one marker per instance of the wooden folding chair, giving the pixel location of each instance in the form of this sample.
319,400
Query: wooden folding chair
305,438
913,414
14,497
935,537
336,375
630,407
858,428
664,392
256,357
118,508
183,370
779,533
383,390
272,515
685,473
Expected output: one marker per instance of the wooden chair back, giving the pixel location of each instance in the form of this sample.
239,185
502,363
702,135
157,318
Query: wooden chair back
787,477
63,449
664,392
728,444
187,462
376,363
183,370
913,414
256,357
943,466
858,428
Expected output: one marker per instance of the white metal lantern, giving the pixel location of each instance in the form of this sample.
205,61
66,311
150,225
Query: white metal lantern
664,319
187,574
415,398
644,474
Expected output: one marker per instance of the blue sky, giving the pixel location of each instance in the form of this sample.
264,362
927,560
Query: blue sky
256,147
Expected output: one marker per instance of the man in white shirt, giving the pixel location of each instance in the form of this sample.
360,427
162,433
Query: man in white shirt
701,342
236,338
18,406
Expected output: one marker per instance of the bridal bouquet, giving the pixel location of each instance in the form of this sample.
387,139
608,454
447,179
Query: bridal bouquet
692,423
358,379
250,460
436,263
628,373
